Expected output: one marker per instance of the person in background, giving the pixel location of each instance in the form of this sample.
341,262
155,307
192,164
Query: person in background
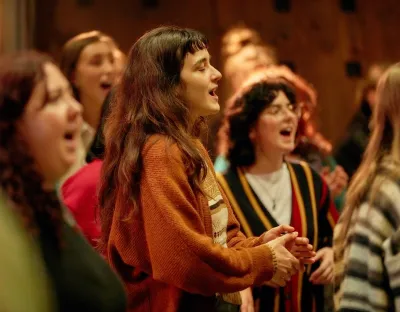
259,130
88,62
119,59
244,53
167,228
366,239
120,63
80,190
349,151
40,127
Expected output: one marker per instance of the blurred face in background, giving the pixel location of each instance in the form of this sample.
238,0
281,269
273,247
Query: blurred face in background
120,63
246,60
375,72
94,76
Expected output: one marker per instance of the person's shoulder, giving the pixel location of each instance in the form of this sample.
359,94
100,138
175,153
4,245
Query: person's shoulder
383,198
162,149
86,176
302,168
298,164
386,189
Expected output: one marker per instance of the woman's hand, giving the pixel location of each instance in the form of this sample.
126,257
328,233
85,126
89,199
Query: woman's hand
303,251
324,274
300,247
247,300
277,232
337,180
286,264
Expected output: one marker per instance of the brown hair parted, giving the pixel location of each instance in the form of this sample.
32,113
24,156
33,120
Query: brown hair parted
19,180
147,102
72,50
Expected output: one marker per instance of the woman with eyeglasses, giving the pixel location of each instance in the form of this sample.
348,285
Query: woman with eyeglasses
258,131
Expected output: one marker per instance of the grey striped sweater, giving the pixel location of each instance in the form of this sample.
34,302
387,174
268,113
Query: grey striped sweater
369,278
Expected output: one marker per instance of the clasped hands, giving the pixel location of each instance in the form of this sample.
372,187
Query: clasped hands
292,253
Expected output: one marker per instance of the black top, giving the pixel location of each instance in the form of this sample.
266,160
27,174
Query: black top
350,150
81,279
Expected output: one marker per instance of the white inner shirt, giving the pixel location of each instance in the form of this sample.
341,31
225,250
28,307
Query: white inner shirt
278,186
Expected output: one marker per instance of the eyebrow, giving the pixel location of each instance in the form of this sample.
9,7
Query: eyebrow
100,55
202,60
281,104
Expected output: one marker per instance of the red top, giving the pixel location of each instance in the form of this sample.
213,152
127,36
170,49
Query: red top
80,196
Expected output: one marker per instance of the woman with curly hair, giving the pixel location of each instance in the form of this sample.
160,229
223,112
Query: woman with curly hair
244,53
40,124
265,190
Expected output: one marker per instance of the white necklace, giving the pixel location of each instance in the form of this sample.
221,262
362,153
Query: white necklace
261,183
265,188
269,195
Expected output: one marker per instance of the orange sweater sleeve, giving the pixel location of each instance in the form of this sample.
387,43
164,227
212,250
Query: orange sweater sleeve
235,237
180,251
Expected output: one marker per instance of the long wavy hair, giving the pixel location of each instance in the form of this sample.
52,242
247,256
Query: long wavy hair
147,102
383,148
19,180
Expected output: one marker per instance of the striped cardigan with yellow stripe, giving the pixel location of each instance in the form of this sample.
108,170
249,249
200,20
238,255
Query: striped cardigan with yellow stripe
313,216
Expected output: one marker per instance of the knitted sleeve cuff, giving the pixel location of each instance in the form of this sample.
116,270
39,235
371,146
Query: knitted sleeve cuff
274,260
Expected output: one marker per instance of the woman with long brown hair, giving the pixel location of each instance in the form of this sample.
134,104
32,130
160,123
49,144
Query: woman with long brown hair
167,228
366,239
88,62
40,124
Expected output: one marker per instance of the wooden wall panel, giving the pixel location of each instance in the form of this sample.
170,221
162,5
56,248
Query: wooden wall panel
315,35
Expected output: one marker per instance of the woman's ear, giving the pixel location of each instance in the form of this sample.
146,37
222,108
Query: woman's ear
252,134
